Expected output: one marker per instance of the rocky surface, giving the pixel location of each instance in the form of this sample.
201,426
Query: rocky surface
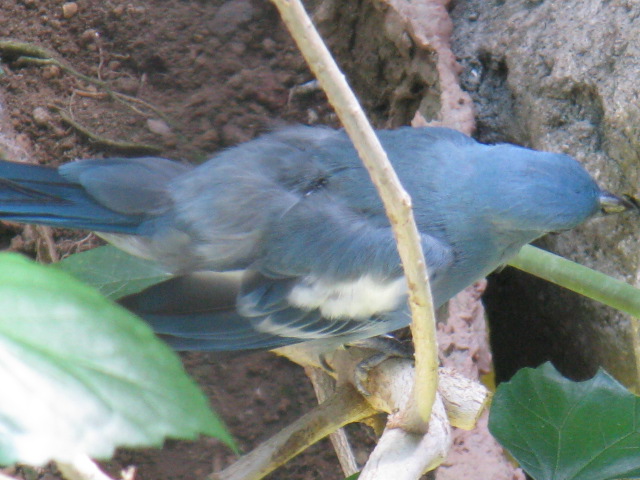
561,76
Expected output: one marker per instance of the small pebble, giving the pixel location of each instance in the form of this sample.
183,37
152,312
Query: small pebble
51,71
233,134
200,60
136,10
54,22
66,144
89,36
69,9
118,11
170,141
22,139
237,48
41,116
158,126
209,138
130,86
269,45
312,116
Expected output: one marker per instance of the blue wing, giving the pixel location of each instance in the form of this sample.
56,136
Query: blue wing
199,312
295,210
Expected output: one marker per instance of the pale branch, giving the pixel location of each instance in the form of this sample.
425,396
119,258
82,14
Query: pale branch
404,455
345,406
464,399
389,386
396,201
324,386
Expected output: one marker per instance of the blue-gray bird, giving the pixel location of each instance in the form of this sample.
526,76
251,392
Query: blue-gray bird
283,239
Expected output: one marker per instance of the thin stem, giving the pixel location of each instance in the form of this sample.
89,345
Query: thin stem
396,201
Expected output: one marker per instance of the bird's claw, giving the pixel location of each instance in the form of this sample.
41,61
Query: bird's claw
386,347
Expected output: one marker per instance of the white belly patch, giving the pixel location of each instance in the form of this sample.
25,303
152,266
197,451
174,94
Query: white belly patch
357,300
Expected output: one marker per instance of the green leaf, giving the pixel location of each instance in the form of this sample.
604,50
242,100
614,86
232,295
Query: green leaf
559,429
81,375
113,272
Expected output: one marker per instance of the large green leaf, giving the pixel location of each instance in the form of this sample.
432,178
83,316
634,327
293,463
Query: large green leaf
558,429
81,375
113,272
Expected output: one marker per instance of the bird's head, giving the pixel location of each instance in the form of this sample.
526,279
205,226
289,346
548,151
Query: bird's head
539,192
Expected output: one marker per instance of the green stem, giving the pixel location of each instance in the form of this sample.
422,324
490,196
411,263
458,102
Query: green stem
578,278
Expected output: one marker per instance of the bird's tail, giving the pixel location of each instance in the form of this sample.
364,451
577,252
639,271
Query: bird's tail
38,194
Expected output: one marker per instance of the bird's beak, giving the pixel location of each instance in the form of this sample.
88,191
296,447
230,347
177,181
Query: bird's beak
610,203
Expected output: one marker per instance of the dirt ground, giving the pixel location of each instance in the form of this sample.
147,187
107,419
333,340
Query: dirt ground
217,73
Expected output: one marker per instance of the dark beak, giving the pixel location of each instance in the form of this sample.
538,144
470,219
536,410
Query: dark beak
610,203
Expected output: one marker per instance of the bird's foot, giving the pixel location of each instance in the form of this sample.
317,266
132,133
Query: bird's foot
386,347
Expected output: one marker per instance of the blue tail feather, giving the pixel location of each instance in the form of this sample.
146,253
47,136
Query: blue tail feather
38,194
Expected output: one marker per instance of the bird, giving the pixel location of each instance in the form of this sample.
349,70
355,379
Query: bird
283,239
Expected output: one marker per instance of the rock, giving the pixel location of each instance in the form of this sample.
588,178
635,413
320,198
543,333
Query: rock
118,10
562,82
89,36
69,9
13,147
159,127
41,116
391,75
51,71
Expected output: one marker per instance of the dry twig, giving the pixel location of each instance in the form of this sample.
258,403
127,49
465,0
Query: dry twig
396,201
324,386
424,444
345,406
114,145
30,54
